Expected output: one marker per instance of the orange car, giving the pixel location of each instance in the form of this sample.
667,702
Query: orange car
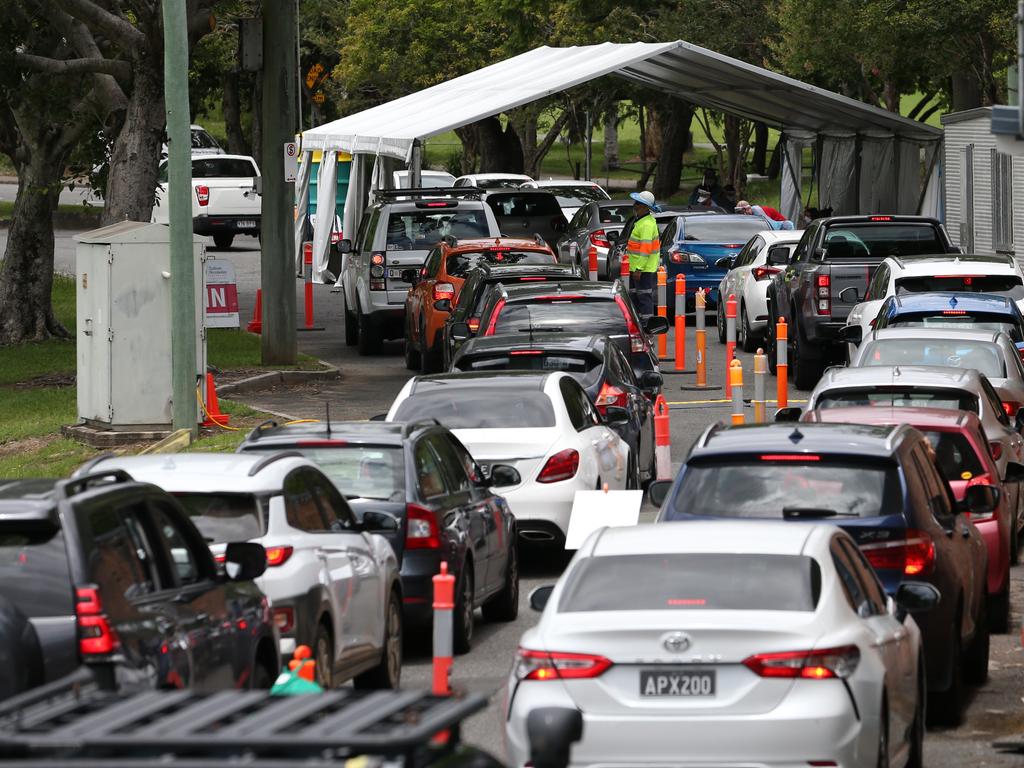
436,289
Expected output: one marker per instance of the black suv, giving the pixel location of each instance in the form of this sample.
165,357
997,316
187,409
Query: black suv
478,284
420,475
883,487
527,213
393,240
111,573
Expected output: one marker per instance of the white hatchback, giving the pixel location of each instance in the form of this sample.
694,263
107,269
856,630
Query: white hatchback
724,644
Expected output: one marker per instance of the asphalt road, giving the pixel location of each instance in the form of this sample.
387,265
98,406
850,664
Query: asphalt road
367,387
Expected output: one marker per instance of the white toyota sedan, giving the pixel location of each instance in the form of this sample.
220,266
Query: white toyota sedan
540,423
731,643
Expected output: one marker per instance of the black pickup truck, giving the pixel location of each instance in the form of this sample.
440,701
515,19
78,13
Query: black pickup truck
833,255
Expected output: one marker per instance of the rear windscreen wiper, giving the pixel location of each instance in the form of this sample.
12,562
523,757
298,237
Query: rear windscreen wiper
812,512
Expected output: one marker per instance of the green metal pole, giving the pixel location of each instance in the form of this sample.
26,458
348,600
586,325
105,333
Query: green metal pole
179,167
277,262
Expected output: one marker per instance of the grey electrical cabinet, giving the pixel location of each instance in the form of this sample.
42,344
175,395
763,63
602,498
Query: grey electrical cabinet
124,325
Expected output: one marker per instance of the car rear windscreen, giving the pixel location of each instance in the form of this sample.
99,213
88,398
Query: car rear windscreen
422,229
692,582
788,486
468,408
34,570
363,471
459,264
570,196
922,397
222,517
222,168
614,214
959,283
525,206
983,356
562,314
203,140
880,239
706,229
955,456
531,360
969,321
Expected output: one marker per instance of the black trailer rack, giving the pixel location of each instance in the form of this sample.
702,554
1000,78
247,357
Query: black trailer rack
252,728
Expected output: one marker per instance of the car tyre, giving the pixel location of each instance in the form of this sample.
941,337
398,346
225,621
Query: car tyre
976,661
262,679
806,370
999,612
351,324
412,353
916,739
720,323
323,655
429,362
387,675
632,472
369,336
1015,532
463,618
945,707
223,240
748,340
883,735
504,606
771,347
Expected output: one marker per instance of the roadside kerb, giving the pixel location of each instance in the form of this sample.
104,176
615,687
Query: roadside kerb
272,378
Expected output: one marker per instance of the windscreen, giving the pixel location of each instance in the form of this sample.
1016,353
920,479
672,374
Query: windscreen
922,397
459,264
571,196
361,471
422,229
692,582
953,319
222,168
959,283
468,408
222,517
603,317
712,230
532,360
983,356
524,206
880,239
955,456
797,486
500,183
203,140
34,570
615,214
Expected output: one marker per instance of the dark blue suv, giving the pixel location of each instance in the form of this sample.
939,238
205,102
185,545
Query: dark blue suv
953,309
883,487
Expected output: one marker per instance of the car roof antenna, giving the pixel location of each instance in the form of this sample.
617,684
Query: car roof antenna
796,435
327,408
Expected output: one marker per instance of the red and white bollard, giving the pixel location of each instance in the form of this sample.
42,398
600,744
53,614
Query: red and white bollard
662,448
444,606
307,260
592,263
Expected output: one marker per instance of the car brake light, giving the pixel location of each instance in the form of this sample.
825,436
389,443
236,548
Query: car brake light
444,291
517,352
954,311
881,218
823,305
554,665
278,555
1011,407
474,324
284,619
790,457
763,273
610,395
203,195
824,664
600,239
637,341
562,466
984,479
436,205
95,635
377,258
421,528
914,555
533,279
676,257
498,306
996,449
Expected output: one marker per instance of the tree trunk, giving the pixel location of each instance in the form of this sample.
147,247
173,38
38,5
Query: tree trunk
735,172
26,273
134,163
611,139
257,121
775,164
533,158
652,136
500,148
966,91
675,140
468,136
760,159
233,115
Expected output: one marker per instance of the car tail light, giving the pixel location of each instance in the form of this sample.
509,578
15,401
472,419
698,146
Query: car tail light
599,238
444,291
610,395
278,555
881,218
996,449
532,279
914,555
284,619
95,636
637,340
221,558
498,306
1011,407
202,195
824,664
823,296
521,352
677,257
554,665
474,324
562,466
763,273
984,479
421,528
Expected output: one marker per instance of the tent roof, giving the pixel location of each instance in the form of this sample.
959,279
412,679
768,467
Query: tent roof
695,74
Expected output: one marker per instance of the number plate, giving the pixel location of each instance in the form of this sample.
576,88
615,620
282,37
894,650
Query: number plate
395,274
656,682
246,224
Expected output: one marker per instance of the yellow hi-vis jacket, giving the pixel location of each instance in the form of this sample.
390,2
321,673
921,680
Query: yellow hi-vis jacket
644,246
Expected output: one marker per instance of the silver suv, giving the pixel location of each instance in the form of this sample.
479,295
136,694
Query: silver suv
392,242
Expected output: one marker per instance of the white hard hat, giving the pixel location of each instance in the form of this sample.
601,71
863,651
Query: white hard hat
645,198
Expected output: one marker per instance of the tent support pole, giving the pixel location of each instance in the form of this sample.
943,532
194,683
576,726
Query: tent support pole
590,146
416,164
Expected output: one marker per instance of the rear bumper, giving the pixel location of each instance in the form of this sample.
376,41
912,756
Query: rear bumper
418,570
826,332
216,225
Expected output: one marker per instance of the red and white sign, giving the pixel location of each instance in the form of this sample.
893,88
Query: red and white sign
221,294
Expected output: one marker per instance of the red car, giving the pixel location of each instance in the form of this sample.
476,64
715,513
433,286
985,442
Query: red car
962,453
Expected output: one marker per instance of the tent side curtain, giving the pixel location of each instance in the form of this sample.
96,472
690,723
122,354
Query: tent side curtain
302,206
326,189
837,173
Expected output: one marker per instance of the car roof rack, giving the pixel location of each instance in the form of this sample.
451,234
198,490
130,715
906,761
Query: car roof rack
260,428
75,485
391,194
270,458
409,427
86,468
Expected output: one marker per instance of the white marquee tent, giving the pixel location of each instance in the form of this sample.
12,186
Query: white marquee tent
868,160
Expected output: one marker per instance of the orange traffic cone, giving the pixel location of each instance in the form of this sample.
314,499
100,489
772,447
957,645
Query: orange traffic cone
256,324
213,415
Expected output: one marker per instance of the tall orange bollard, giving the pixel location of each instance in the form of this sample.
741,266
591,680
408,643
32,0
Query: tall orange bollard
662,444
702,340
736,385
662,310
444,605
730,338
781,364
680,322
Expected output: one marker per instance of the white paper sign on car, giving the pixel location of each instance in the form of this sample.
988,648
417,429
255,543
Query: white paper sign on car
599,509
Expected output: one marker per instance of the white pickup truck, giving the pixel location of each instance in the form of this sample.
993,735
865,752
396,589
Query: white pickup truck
224,199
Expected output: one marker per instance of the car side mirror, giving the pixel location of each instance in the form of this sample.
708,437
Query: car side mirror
244,561
379,522
411,276
615,415
551,732
851,334
651,380
850,294
656,325
539,597
792,413
345,246
443,305
980,500
657,492
502,475
778,256
915,597
726,262
1014,472
460,331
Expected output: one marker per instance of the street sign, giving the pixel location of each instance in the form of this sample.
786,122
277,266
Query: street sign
291,161
221,294
319,98
313,76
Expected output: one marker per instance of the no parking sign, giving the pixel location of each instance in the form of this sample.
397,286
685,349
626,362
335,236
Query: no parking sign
221,294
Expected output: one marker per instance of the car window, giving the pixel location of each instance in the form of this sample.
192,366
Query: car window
460,264
524,206
336,512
852,589
419,230
483,408
222,168
995,403
879,284
224,517
300,504
668,237
360,470
935,487
360,239
432,264
615,214
580,218
908,397
866,578
370,233
184,560
581,413
428,471
467,461
561,314
115,562
202,140
623,370
954,454
960,283
983,356
454,470
34,569
800,254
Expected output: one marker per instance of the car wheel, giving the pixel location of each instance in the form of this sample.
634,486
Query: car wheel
916,738
1015,531
999,612
883,736
369,336
223,241
428,358
261,679
720,322
806,369
351,324
463,616
323,655
944,707
632,472
505,605
771,347
747,341
388,674
976,662
412,354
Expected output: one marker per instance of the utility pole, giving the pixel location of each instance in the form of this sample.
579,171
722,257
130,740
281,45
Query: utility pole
277,262
179,167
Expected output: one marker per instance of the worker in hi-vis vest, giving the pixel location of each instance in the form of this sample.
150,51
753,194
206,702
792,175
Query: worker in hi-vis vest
644,253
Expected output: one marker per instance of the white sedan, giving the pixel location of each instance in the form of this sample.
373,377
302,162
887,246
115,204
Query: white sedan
540,423
748,279
723,644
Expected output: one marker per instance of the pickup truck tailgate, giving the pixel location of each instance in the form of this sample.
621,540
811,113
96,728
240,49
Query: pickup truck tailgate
849,275
231,197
